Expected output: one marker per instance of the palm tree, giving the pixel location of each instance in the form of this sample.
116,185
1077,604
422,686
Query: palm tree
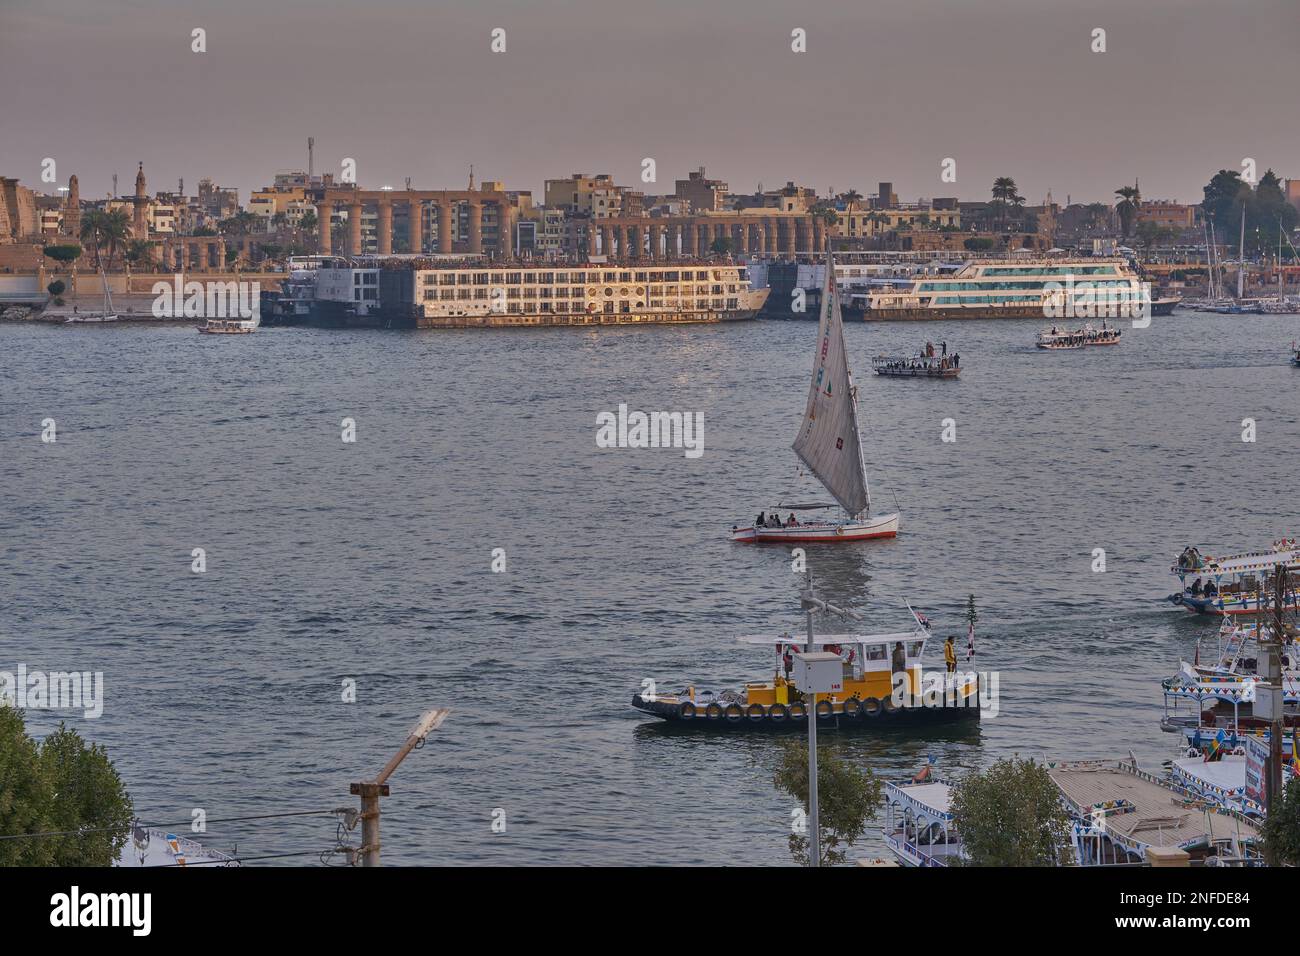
1004,194
111,229
1127,207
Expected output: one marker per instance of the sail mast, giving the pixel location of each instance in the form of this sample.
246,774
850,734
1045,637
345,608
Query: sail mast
830,420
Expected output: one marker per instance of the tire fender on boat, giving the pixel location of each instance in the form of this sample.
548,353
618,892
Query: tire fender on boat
734,713
756,712
777,713
853,708
686,710
888,707
824,708
797,711
870,707
713,711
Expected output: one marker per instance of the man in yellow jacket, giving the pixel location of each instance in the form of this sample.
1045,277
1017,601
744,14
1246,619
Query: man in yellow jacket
950,654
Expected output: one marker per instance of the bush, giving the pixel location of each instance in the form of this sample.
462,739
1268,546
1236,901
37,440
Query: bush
56,288
1010,815
58,785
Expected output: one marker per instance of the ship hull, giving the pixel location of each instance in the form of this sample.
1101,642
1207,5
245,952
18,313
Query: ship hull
879,526
883,720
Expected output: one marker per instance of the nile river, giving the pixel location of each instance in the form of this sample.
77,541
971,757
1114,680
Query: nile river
371,561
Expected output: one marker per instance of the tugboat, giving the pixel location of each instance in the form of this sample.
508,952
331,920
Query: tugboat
829,445
883,687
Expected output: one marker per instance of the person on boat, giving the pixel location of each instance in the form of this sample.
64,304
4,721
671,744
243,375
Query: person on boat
956,360
759,521
944,346
792,522
1210,589
1196,588
787,661
950,654
899,659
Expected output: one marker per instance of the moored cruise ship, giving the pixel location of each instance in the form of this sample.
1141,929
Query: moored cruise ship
1019,289
419,292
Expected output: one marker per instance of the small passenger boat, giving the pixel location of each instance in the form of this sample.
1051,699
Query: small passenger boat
1236,583
918,822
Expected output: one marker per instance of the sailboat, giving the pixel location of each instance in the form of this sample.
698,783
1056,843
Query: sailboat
107,315
829,445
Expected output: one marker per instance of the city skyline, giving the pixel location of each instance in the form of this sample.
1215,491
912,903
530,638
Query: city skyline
666,81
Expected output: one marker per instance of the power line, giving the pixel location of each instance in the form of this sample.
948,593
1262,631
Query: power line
167,826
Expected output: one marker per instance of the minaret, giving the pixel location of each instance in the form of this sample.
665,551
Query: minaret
141,228
471,177
72,209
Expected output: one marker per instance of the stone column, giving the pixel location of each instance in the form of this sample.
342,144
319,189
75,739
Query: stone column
787,237
324,215
819,234
773,227
656,240
636,241
802,236
446,210
744,237
475,226
415,226
385,227
688,238
591,239
354,229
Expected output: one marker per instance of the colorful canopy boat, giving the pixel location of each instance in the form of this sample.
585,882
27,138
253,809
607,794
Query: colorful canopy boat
918,822
830,446
867,699
1120,813
1234,584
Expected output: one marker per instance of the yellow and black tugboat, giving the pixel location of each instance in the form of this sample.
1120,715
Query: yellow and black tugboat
884,685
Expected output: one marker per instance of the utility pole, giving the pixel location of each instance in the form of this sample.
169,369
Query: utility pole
371,790
810,602
1273,677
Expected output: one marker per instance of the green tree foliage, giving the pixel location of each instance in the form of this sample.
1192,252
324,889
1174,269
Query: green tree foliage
1268,214
58,785
63,252
56,288
105,230
721,246
1010,815
978,244
847,799
1282,829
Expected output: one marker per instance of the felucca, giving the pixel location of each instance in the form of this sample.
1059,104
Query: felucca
829,445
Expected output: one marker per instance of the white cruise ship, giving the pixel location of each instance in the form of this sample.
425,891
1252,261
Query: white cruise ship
1021,289
419,292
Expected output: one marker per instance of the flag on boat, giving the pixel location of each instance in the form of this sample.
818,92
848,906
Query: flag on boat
828,441
1215,750
970,642
922,620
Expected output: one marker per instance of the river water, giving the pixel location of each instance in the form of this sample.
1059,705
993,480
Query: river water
371,561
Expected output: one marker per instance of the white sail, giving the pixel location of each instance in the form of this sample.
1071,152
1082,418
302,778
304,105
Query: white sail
828,441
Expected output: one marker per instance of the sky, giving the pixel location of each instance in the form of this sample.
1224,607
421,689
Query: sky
886,91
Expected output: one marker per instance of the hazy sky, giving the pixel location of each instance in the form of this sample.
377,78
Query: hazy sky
886,91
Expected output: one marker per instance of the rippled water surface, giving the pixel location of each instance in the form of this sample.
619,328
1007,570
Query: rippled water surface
371,561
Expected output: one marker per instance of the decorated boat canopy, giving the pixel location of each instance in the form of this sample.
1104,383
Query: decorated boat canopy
1192,562
930,800
821,640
